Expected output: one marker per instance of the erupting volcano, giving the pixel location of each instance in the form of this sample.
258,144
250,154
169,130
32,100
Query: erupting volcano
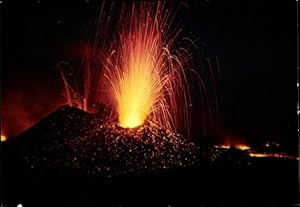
131,101
123,103
143,72
145,77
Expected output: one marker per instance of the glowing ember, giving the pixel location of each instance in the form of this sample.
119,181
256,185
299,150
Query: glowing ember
3,138
242,147
254,154
223,146
273,155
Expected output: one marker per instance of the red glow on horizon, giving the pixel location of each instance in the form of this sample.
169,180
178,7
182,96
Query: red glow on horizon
24,104
240,146
273,155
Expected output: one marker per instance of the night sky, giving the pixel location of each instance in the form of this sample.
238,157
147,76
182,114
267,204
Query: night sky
254,42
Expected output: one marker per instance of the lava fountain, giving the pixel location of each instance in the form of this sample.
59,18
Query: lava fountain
146,78
142,68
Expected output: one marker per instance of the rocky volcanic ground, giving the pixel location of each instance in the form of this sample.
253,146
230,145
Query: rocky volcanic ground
71,141
73,158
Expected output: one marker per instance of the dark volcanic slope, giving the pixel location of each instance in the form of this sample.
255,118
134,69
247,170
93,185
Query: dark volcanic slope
110,149
48,135
73,142
73,158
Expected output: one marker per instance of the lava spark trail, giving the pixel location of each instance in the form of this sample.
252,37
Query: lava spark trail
140,64
146,78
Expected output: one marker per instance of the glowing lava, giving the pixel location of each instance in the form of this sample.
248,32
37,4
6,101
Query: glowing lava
141,64
137,81
238,146
242,147
145,77
3,138
136,86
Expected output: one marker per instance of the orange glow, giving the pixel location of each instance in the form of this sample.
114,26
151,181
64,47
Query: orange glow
254,154
273,155
242,147
142,66
145,77
223,146
135,86
3,138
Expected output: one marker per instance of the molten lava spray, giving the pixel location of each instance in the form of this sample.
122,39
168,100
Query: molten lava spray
146,79
140,64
